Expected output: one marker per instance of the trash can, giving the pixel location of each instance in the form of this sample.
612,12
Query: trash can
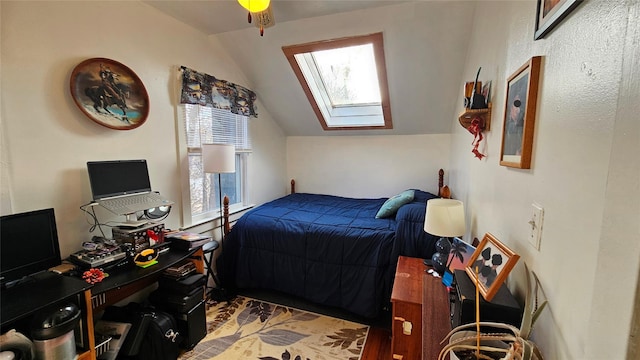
52,332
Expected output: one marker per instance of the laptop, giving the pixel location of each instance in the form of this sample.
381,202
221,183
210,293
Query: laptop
123,186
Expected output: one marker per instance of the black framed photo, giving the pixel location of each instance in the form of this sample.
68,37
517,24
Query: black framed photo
550,13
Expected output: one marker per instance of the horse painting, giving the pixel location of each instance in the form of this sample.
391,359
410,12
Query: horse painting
109,93
103,99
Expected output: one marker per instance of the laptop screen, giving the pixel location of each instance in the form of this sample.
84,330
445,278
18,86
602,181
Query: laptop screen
120,177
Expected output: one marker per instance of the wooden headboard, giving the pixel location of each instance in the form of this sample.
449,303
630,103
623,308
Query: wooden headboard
443,192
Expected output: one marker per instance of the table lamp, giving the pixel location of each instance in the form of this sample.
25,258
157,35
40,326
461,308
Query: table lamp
444,218
219,159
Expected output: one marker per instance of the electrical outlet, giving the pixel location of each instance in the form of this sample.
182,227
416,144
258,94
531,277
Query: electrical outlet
535,224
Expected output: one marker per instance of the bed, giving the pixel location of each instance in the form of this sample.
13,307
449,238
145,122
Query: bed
327,249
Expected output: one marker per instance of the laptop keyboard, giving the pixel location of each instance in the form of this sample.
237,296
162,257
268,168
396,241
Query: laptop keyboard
133,203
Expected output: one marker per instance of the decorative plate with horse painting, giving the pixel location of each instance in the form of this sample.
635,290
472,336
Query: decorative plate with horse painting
110,94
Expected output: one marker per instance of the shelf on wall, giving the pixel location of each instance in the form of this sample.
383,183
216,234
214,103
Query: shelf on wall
483,114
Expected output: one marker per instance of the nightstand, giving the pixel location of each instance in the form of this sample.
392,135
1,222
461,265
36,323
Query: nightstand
406,300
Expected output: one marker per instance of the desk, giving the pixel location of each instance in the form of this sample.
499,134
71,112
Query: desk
21,301
124,283
46,288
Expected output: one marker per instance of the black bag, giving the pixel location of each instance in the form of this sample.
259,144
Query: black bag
153,334
161,340
131,313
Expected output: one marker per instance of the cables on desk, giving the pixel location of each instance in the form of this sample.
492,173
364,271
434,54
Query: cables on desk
89,211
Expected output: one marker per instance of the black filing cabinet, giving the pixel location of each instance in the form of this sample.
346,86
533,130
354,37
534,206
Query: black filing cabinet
502,308
183,298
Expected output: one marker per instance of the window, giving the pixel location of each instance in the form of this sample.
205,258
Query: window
205,125
345,81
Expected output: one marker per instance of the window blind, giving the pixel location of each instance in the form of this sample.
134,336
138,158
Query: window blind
207,125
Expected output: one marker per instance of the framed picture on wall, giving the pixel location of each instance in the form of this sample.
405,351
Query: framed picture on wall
520,115
490,265
110,94
550,13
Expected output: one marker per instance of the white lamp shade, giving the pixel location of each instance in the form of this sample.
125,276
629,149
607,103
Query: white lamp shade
218,158
445,218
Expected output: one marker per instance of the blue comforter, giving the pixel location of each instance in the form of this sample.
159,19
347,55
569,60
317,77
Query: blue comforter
327,249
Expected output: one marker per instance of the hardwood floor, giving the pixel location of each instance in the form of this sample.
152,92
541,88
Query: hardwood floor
378,345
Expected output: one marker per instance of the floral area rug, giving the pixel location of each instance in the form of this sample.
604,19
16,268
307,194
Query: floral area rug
247,328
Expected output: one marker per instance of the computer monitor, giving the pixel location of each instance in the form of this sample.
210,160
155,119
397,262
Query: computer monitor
118,177
28,244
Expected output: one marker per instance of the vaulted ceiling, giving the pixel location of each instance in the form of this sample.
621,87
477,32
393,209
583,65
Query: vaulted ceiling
425,49
218,16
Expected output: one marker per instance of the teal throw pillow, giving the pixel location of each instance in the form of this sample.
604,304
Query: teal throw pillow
391,206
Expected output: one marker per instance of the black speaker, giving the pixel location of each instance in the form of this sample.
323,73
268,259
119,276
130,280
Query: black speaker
192,325
503,308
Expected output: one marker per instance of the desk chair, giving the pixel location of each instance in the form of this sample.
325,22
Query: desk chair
208,249
216,293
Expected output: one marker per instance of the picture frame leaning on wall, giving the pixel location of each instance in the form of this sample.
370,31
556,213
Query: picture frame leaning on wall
493,261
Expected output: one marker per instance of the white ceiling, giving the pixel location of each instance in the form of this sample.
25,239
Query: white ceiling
425,44
218,16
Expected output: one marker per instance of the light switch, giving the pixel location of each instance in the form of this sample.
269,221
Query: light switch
535,223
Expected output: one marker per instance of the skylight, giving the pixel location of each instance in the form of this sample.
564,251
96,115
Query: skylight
345,81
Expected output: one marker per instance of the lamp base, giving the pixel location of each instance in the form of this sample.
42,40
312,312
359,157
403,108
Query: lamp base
428,262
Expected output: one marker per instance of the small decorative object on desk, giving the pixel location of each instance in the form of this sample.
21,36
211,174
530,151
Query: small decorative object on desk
155,237
94,276
146,258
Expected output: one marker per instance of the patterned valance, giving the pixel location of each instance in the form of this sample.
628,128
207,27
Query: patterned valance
204,89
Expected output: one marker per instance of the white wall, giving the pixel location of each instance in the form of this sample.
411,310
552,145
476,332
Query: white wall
46,140
585,169
367,166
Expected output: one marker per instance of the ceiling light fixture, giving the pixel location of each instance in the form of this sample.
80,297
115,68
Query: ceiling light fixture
254,6
264,19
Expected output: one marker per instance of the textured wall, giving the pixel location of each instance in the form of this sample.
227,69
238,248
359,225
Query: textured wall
584,170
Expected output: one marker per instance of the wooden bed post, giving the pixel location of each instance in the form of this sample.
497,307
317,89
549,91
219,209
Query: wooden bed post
443,190
293,186
225,215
